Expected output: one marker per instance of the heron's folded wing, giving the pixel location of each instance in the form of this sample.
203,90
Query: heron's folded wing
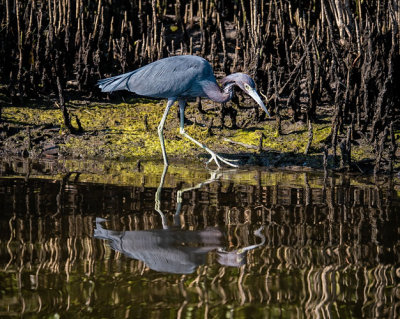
170,77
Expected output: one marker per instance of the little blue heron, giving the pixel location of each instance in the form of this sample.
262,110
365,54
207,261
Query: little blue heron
181,78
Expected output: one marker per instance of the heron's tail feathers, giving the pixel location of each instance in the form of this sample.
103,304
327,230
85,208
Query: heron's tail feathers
116,83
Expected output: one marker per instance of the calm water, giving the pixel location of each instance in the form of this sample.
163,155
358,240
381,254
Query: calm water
112,241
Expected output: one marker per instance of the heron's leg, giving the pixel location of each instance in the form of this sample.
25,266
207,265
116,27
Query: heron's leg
170,102
214,156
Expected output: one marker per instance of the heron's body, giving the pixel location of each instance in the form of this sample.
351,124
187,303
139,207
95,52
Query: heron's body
182,77
179,78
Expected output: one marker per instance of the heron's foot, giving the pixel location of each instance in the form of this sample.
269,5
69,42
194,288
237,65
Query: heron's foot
216,158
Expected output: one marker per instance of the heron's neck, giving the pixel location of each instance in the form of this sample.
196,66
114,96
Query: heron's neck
214,92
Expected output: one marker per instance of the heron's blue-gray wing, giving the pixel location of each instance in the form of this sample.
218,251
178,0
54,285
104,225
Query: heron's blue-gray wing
170,77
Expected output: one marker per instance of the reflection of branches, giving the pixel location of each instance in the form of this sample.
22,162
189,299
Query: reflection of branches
62,192
12,237
315,251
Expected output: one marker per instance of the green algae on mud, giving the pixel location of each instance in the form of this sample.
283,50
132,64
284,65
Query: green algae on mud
128,131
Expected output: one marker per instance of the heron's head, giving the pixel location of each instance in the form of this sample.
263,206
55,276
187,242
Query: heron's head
247,85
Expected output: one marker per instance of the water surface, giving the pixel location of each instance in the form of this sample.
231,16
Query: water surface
115,241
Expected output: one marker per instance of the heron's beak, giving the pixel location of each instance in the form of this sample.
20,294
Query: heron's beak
256,97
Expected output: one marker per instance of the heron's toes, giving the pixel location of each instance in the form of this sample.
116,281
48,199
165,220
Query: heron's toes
217,158
213,158
229,162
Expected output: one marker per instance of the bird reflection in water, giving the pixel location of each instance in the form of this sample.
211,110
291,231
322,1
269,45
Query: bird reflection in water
172,249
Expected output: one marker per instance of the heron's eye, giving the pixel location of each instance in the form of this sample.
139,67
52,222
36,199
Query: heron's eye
246,86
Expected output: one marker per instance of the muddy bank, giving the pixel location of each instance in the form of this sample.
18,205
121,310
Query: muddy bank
126,130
